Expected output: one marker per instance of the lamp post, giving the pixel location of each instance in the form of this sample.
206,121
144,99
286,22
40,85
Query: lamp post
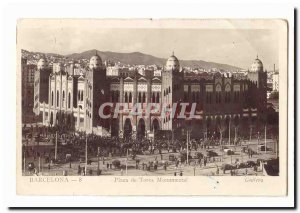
229,141
85,169
250,133
257,141
265,138
126,161
24,163
39,163
55,154
98,155
235,136
187,146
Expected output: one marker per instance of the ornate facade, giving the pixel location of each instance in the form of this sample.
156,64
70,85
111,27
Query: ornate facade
223,100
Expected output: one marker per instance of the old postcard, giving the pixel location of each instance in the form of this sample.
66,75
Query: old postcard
152,107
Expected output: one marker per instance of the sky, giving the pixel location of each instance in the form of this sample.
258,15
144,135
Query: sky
234,47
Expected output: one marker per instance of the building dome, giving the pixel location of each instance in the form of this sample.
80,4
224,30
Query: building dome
257,66
95,61
42,64
172,63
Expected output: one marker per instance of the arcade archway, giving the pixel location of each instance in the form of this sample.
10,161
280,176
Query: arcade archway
127,128
114,127
141,129
155,125
51,119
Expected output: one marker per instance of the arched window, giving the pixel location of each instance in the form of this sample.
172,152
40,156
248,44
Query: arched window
227,97
81,96
194,97
236,96
140,98
117,96
112,96
130,97
185,97
78,94
63,97
157,98
69,100
144,97
52,98
126,97
218,97
57,98
169,89
208,97
153,98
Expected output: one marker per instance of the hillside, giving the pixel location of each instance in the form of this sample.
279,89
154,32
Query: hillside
134,58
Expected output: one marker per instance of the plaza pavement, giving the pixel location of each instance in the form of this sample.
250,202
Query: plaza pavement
187,170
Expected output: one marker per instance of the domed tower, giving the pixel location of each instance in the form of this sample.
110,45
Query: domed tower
96,92
172,87
42,63
258,89
41,84
257,65
172,63
95,62
256,73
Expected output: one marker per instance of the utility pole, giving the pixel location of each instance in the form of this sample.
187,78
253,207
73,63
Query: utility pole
250,133
229,133
126,160
187,146
98,168
55,154
85,169
257,141
39,163
265,138
276,147
235,138
24,162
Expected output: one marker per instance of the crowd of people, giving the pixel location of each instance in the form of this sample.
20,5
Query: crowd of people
72,147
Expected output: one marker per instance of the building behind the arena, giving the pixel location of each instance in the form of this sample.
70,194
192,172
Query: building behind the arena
67,98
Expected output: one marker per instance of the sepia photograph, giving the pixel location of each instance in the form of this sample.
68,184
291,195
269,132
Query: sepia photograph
154,100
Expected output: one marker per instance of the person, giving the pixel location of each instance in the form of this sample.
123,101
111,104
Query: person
217,172
49,166
79,169
180,173
175,173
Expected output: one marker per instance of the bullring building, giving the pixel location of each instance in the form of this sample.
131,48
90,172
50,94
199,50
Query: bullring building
70,99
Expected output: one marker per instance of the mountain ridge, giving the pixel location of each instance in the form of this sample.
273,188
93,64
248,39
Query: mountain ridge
138,58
